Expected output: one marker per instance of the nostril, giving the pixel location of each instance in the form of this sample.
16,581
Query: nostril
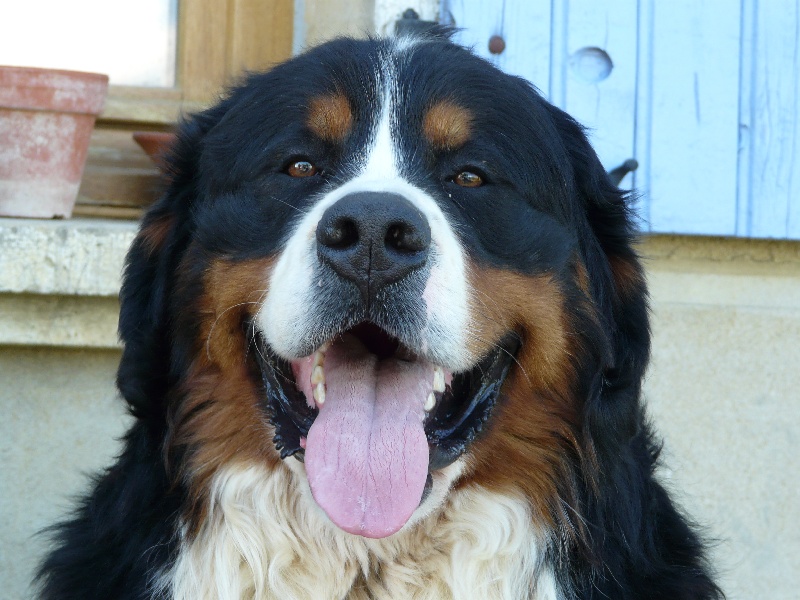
405,238
395,237
339,234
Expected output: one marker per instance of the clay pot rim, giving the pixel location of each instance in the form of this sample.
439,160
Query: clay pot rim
44,70
60,90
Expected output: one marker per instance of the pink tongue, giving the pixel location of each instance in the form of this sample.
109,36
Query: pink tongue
366,455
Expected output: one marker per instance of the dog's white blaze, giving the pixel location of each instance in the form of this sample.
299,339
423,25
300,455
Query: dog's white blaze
265,538
285,312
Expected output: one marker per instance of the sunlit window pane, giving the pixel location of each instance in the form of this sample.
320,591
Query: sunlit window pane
132,41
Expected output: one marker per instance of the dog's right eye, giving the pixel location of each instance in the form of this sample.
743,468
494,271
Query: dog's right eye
468,179
301,168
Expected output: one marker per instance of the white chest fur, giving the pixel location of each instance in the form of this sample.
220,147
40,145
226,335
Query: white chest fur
265,538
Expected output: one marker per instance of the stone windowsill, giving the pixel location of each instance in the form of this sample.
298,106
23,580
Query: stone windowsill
73,257
59,281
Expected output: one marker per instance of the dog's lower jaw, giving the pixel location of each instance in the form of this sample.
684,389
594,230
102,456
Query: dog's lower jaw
265,538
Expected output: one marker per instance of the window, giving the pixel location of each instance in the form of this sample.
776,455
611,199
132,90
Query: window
165,58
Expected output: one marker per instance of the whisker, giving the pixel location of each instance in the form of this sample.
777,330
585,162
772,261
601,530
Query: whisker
254,343
494,301
292,206
253,339
497,346
211,331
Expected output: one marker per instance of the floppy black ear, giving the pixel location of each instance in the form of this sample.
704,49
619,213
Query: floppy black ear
607,233
630,518
145,321
622,291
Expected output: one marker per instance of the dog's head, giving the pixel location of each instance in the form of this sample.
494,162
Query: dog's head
394,267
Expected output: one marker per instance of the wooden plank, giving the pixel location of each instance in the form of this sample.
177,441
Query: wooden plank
202,48
602,100
559,55
694,116
219,40
117,174
774,129
100,211
523,24
161,106
261,34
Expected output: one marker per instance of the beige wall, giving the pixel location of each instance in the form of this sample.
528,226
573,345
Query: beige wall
61,417
723,389
321,20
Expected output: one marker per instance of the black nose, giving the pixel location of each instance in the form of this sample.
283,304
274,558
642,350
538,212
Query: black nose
373,239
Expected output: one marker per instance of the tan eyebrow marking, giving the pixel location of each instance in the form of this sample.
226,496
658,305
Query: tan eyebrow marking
330,117
447,125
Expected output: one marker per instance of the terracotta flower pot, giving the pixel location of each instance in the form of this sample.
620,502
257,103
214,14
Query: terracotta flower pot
156,145
46,121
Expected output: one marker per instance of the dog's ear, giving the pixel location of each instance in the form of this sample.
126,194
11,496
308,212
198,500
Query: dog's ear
145,323
629,518
621,291
607,233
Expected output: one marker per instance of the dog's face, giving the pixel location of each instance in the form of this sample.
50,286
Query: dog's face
389,264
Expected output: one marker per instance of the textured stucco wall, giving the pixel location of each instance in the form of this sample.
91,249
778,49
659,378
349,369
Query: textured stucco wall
723,390
60,422
61,416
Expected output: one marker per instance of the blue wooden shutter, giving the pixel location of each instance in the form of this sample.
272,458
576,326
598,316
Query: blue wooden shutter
705,95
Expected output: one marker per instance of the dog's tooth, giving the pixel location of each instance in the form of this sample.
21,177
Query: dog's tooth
438,379
319,394
319,355
430,402
317,375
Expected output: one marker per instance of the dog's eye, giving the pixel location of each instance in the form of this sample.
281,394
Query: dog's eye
468,179
301,168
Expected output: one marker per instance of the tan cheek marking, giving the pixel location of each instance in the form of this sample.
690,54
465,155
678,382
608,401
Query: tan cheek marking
524,445
447,126
330,117
532,305
220,419
233,292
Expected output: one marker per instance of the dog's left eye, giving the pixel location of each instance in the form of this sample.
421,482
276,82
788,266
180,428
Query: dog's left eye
468,179
301,168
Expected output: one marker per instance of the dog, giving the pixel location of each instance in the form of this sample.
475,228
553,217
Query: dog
384,337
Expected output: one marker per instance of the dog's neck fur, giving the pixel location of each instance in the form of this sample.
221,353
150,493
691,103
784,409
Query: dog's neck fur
265,539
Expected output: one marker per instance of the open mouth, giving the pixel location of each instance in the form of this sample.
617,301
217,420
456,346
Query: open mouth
371,419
